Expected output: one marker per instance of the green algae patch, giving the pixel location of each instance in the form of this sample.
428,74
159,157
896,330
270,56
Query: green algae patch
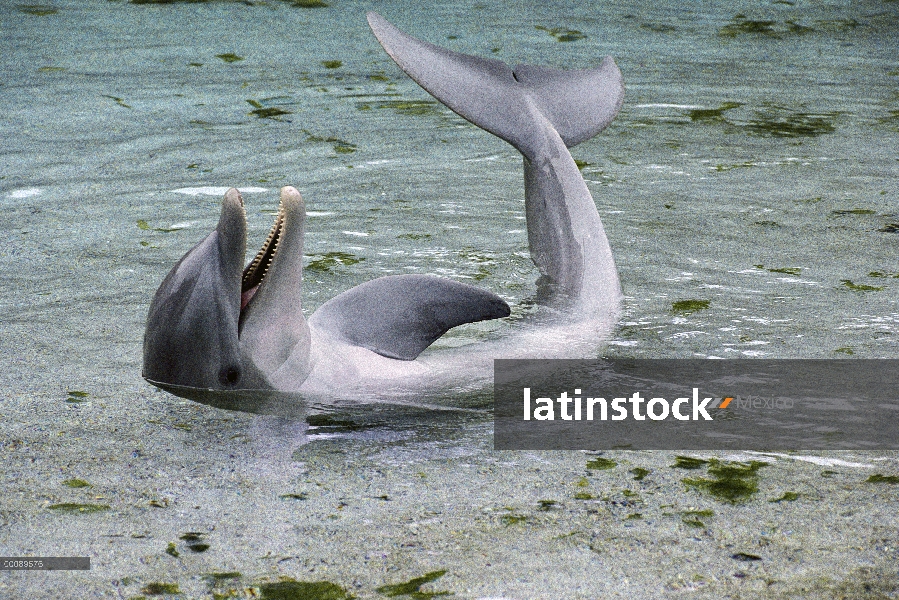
269,112
266,112
300,496
845,350
38,10
414,236
878,478
785,270
340,146
744,557
853,211
640,473
890,228
712,114
692,518
883,274
688,462
601,464
117,100
303,590
52,69
786,497
740,25
229,57
76,396
412,588
309,4
75,508
144,226
562,34
161,589
582,164
195,542
223,575
546,505
513,519
332,64
411,107
687,307
732,482
326,263
783,122
76,483
584,496
860,287
171,550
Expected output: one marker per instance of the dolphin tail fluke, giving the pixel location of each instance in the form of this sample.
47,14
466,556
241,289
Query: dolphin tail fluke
578,104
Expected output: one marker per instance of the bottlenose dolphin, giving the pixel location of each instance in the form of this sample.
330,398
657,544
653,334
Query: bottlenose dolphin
215,326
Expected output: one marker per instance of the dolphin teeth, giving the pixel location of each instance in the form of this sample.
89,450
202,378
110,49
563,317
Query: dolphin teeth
256,271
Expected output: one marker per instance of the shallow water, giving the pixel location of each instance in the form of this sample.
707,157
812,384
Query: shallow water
753,166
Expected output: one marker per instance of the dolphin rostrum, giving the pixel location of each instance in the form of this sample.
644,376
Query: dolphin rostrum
215,326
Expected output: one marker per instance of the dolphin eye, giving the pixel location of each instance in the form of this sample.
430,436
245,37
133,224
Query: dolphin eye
229,376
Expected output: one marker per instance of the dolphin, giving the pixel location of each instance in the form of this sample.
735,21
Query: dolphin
216,326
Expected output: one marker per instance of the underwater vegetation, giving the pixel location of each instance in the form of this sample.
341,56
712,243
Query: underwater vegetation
860,287
75,508
76,396
325,263
686,307
195,542
229,57
712,114
878,478
404,107
785,270
731,482
412,588
779,121
601,464
562,34
768,120
786,497
158,588
340,146
37,10
692,518
289,589
76,483
741,25
266,112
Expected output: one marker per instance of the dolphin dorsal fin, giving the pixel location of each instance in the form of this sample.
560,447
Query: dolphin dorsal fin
398,316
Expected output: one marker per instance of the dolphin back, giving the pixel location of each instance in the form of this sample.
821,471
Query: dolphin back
578,104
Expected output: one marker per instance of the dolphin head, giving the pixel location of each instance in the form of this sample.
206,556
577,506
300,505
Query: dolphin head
216,325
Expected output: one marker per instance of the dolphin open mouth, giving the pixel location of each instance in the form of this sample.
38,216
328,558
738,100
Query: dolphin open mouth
255,273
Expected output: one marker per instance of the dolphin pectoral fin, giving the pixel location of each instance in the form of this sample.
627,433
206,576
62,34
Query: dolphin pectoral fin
398,316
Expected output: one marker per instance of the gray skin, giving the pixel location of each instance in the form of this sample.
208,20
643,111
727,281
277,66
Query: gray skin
369,342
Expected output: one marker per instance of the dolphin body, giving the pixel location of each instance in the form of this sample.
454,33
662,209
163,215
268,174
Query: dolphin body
215,327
